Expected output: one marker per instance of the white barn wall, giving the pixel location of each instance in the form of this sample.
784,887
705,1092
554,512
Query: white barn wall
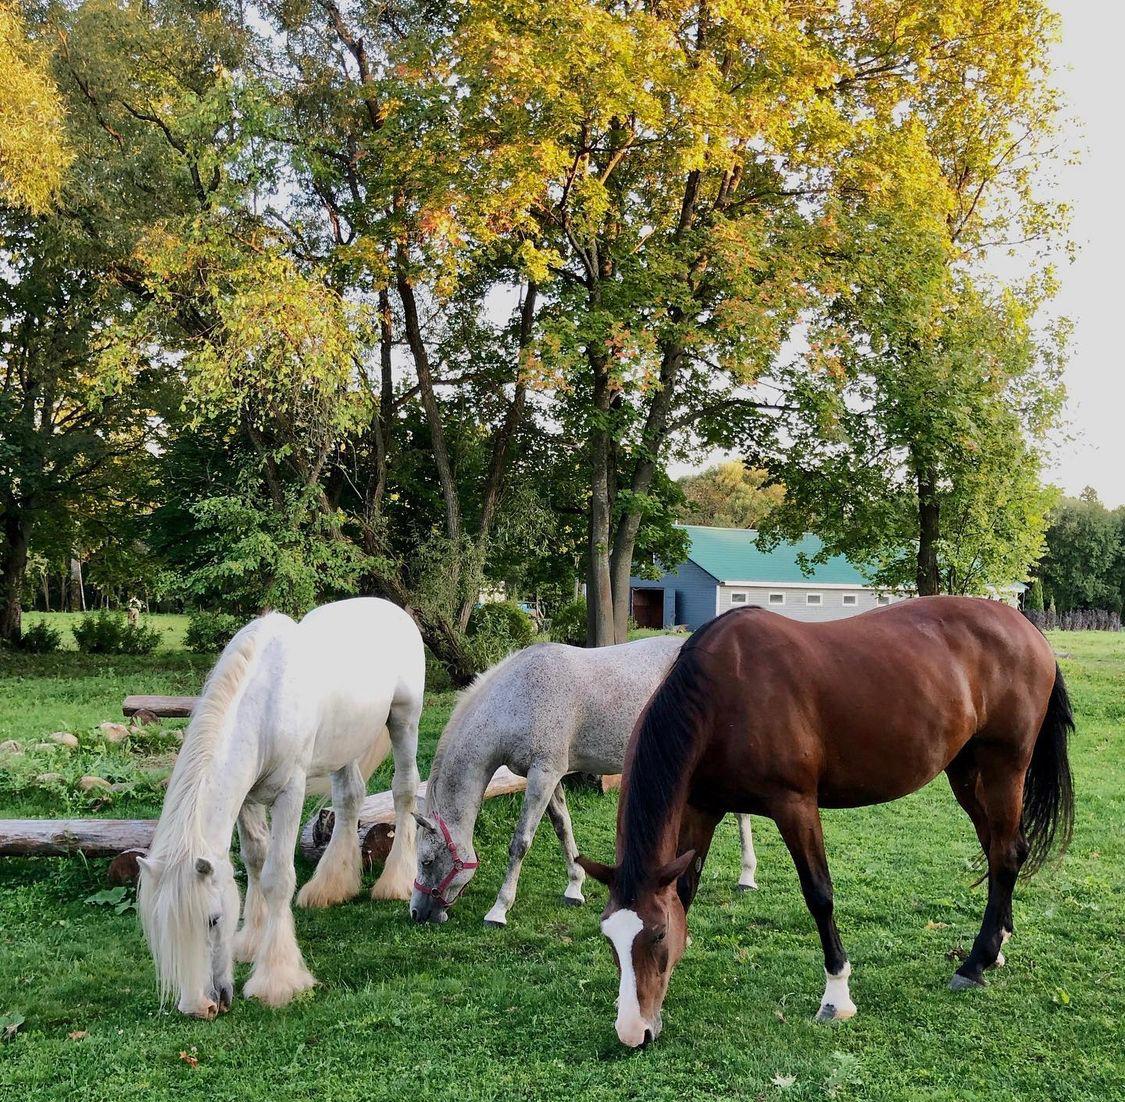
796,606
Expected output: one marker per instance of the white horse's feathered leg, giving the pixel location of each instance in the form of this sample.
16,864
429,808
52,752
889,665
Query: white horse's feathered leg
339,872
540,787
253,840
397,877
279,969
560,820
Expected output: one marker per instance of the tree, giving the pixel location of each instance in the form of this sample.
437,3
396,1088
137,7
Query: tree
729,495
1084,546
33,150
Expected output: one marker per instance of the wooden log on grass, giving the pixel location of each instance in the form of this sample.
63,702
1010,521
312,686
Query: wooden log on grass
380,808
163,707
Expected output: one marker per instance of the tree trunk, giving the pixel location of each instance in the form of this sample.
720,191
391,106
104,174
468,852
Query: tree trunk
13,567
600,631
928,580
77,588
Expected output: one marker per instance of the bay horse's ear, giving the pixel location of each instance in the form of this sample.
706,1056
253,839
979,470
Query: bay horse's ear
674,869
603,874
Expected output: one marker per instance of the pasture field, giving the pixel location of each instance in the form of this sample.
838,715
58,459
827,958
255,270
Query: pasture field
467,1012
171,626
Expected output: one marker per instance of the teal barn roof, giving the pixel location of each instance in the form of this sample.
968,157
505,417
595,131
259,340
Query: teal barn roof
731,555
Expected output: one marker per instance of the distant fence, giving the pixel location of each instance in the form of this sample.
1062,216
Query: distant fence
1079,619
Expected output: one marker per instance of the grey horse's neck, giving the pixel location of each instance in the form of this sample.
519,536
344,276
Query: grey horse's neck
460,773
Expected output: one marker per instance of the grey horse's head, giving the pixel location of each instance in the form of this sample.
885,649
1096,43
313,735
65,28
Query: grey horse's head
446,864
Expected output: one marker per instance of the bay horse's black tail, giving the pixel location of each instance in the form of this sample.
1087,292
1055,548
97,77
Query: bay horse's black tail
1048,790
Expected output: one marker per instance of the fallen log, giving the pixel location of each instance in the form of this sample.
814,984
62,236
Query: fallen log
380,808
164,707
110,837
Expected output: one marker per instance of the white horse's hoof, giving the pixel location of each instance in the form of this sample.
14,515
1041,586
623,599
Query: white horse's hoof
245,947
749,886
391,888
278,989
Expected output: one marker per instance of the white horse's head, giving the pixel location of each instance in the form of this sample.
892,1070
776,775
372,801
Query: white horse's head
189,908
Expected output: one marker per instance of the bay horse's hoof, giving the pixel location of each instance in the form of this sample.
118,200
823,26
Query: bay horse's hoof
965,983
830,1013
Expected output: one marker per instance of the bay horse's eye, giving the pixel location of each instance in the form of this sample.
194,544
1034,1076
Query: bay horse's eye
659,935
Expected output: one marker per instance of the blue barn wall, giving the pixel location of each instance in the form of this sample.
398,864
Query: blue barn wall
689,595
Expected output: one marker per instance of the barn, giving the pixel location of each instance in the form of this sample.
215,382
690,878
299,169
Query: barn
726,569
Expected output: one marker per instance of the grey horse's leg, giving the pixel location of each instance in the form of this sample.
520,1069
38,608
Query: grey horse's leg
540,786
747,880
560,820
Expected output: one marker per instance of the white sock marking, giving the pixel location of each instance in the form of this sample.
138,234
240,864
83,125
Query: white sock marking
836,992
622,928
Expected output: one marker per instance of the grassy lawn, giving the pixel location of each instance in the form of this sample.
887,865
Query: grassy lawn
467,1012
170,624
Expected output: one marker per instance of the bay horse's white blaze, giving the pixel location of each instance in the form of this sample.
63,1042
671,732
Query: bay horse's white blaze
622,928
836,1005
543,712
287,706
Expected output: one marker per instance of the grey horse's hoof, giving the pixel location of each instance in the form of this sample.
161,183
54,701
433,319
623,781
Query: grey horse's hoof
965,983
494,924
569,902
747,887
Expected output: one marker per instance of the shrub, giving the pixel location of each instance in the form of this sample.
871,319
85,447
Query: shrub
568,625
497,629
107,632
100,632
41,638
209,632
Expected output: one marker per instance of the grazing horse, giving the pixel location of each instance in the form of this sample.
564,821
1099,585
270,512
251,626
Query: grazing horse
286,706
766,715
543,712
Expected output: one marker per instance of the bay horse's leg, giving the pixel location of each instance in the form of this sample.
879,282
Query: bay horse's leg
397,878
799,824
964,780
748,880
560,820
253,838
540,786
339,871
1001,793
279,969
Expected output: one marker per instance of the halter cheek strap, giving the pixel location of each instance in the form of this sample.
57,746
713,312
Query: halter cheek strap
459,865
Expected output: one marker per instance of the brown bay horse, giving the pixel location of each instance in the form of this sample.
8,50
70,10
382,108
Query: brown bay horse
765,715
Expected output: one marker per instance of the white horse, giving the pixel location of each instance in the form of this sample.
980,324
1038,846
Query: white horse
543,712
287,706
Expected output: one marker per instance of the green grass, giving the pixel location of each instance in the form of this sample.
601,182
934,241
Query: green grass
170,625
466,1012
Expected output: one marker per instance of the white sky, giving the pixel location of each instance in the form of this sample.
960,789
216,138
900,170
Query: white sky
1092,451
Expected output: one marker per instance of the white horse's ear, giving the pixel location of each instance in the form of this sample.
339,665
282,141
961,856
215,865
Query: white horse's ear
146,864
203,866
422,821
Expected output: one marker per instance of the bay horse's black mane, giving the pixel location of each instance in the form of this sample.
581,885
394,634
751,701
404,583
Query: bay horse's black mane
664,750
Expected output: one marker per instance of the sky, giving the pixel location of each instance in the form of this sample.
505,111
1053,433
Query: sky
1091,451
1093,286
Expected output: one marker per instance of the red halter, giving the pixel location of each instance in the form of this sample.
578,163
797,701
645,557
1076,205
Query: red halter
458,866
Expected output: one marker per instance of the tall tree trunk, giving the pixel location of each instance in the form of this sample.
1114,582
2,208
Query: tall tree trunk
600,631
13,567
928,580
77,586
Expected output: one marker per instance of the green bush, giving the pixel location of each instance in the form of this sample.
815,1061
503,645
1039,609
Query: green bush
41,638
106,632
497,629
568,625
209,632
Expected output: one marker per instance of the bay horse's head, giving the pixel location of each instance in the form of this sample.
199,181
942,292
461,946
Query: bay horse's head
647,932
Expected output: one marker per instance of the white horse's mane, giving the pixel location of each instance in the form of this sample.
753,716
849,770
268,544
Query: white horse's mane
171,900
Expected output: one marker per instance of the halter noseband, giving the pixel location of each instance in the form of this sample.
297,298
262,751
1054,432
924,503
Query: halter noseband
459,865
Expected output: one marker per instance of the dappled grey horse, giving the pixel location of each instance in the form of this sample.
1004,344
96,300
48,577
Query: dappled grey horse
543,712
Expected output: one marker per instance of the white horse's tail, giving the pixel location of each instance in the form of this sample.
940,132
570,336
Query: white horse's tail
170,898
375,755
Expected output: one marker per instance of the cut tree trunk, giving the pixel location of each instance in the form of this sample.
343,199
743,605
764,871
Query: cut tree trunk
163,707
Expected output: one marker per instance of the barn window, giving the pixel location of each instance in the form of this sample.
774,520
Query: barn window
851,599
777,598
739,598
814,599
